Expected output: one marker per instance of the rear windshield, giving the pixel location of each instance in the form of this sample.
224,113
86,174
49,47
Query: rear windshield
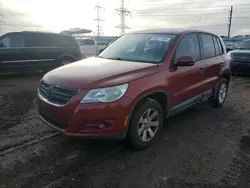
149,48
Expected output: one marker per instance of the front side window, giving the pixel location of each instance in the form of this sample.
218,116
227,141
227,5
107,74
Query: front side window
12,41
208,46
245,45
149,48
189,46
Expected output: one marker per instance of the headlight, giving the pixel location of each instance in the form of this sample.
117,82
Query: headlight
108,94
230,54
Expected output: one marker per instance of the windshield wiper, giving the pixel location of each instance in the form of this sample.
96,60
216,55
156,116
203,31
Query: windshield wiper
116,58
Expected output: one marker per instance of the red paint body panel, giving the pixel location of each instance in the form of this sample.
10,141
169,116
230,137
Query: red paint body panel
179,83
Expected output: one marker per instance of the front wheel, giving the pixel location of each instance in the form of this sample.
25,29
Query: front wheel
146,122
220,93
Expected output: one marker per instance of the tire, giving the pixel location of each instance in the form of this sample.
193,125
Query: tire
216,101
65,61
138,122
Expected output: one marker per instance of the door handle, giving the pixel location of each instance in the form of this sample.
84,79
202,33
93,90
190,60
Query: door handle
222,64
202,69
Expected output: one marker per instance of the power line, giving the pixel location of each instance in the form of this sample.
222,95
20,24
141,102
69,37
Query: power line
196,3
123,12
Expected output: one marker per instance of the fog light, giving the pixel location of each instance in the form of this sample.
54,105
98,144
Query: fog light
102,125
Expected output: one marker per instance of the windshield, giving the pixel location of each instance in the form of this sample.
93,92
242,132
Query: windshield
245,45
139,47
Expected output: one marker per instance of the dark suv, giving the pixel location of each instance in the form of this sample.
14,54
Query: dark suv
35,51
241,58
135,83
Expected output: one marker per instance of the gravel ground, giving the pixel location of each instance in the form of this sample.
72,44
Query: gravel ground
202,147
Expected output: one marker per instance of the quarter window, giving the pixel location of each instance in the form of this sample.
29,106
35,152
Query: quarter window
217,51
208,46
189,46
220,46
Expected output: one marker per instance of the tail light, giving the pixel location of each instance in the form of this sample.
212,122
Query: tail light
80,50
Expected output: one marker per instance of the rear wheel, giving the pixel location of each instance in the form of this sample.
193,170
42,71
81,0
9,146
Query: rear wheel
145,124
66,60
220,93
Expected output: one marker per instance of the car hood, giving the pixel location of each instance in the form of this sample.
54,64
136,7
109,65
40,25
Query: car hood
97,72
240,51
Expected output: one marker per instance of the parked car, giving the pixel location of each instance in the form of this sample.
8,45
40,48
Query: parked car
241,58
90,47
35,51
134,84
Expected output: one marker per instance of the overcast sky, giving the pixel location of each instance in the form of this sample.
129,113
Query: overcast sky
58,15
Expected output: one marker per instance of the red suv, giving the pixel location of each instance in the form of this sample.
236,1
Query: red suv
134,84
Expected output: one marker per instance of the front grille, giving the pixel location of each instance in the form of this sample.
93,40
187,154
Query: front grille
55,94
55,122
241,57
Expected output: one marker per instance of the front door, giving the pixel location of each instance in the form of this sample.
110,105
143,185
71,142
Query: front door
186,83
13,54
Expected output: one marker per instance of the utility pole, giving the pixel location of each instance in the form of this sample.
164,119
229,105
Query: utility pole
230,21
122,12
98,7
197,22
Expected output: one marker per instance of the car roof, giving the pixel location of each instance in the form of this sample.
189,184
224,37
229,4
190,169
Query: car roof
38,32
175,31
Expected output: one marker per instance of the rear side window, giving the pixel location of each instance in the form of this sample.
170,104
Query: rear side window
59,40
32,40
189,46
207,45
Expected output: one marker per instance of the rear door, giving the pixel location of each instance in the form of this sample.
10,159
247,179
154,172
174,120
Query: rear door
42,52
13,53
213,61
186,83
38,51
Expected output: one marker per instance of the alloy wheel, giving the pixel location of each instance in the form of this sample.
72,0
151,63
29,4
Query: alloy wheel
222,92
148,125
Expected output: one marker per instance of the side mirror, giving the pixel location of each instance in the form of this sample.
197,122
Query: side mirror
185,61
101,50
2,45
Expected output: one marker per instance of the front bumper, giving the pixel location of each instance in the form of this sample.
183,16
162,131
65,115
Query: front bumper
95,120
240,68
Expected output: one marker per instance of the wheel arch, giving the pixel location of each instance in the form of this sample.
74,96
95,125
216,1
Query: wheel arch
227,75
160,96
66,56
